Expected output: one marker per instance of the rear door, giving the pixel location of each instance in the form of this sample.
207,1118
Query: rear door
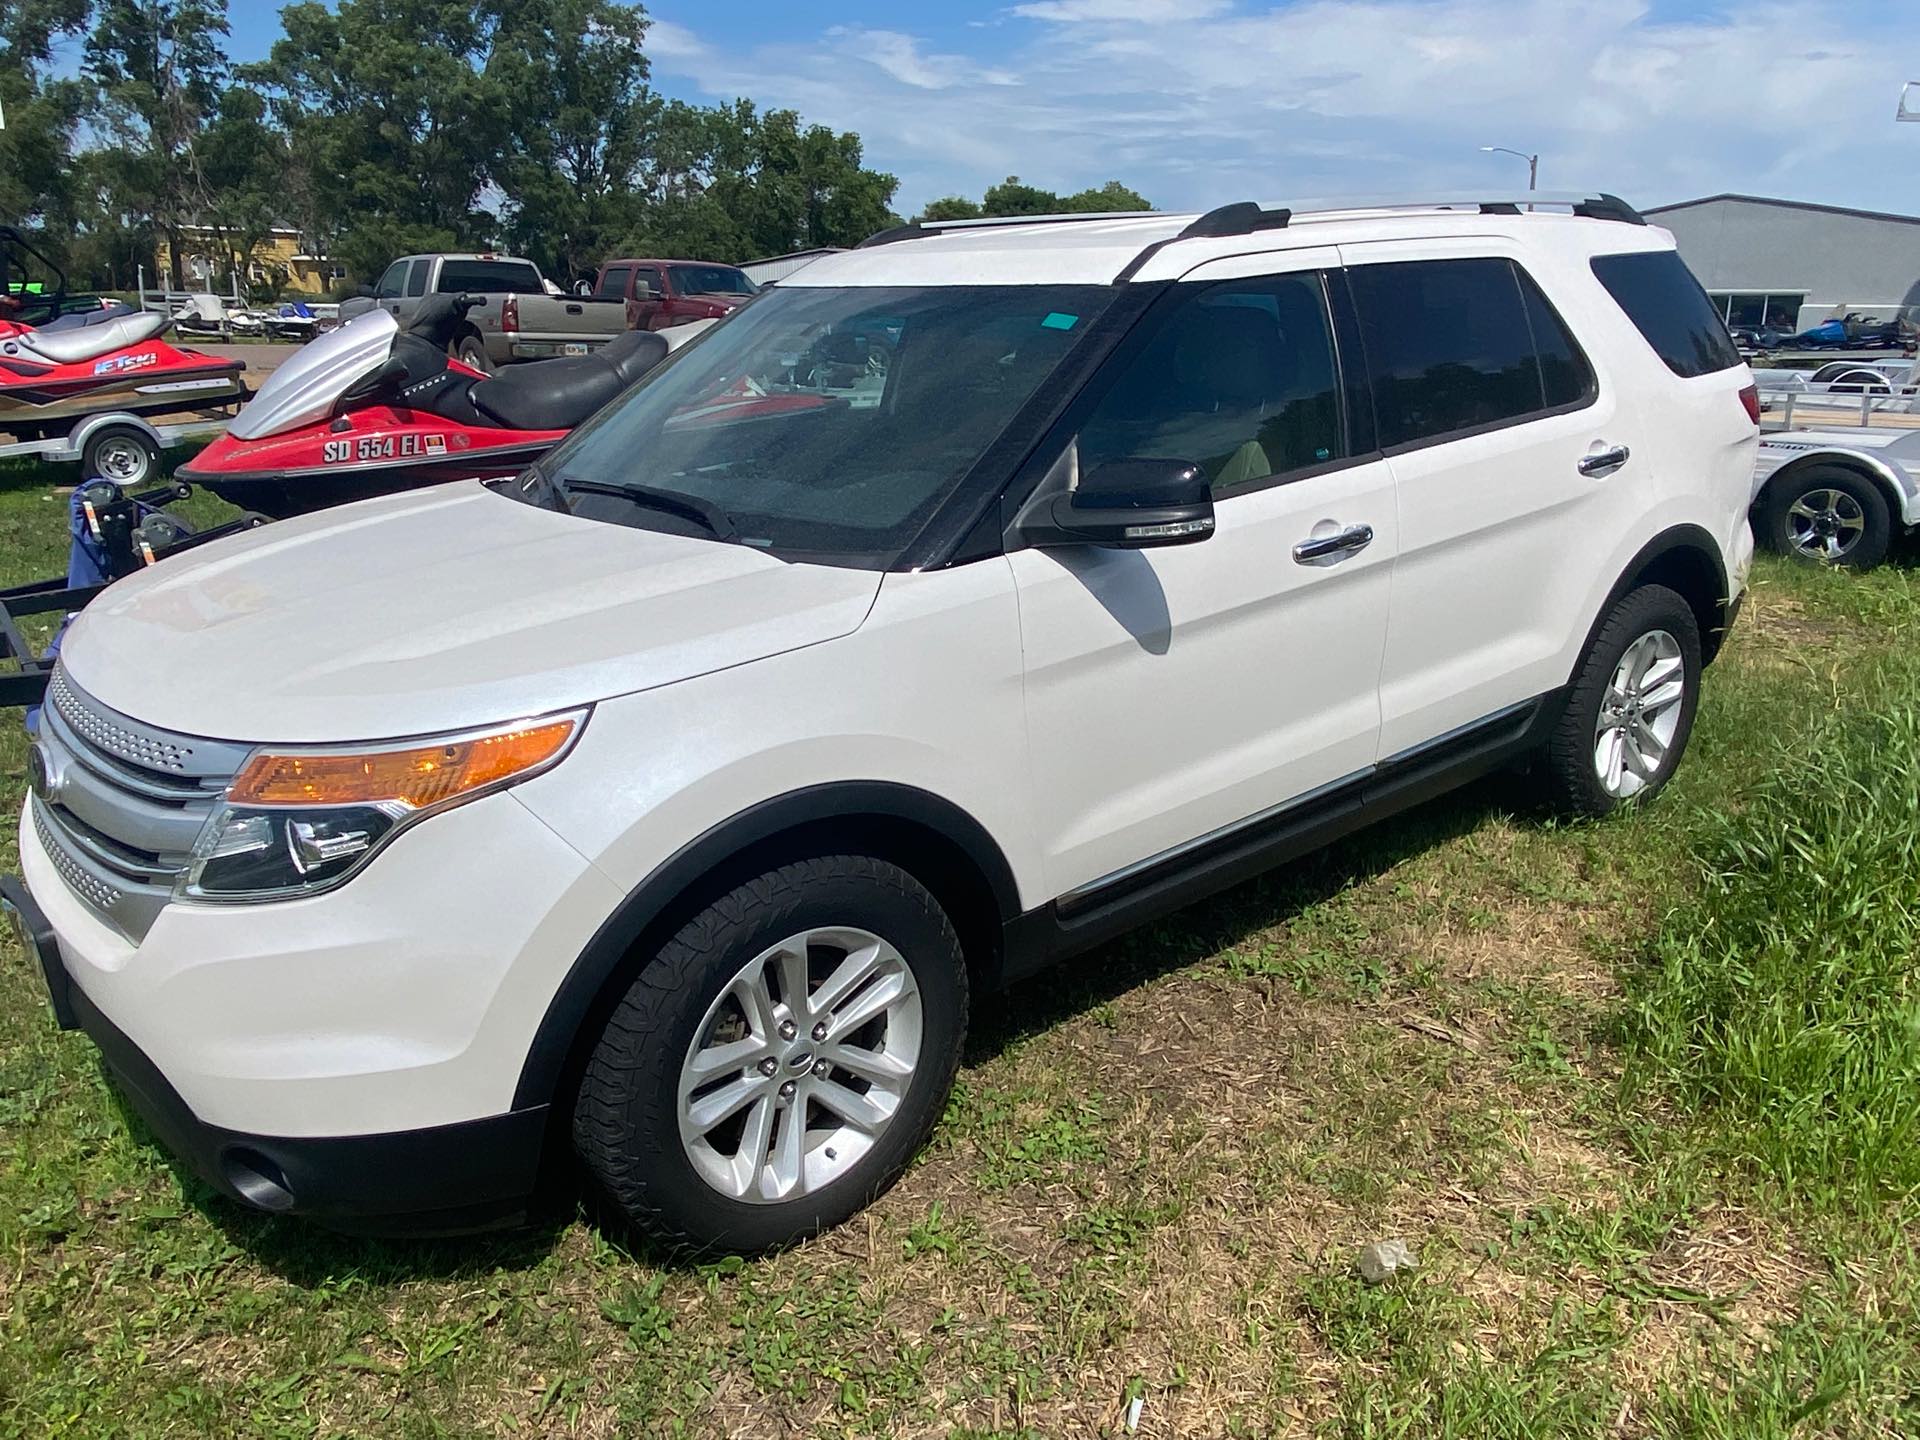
1176,693
1504,445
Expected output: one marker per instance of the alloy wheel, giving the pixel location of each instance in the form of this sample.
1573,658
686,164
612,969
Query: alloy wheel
800,1064
1825,524
1640,714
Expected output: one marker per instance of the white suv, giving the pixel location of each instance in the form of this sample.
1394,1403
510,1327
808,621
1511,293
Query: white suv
957,604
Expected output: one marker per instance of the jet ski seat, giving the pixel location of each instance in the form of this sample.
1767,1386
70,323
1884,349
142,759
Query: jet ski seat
89,342
559,394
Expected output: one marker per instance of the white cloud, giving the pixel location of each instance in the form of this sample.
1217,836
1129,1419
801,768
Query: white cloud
1195,102
1142,11
668,41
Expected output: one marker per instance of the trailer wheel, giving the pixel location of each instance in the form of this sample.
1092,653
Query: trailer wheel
122,454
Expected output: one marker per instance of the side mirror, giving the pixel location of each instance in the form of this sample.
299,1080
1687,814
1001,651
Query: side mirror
1127,505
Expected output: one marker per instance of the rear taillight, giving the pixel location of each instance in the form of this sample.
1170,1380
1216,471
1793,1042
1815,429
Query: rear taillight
510,313
1750,397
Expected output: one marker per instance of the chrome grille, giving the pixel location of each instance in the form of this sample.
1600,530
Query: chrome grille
106,734
122,802
83,882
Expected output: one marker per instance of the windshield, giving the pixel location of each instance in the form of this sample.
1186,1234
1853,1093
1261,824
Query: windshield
712,280
828,423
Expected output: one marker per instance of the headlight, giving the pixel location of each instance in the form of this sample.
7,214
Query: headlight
297,820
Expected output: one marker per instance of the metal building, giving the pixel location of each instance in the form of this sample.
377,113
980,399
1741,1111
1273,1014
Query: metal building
1789,265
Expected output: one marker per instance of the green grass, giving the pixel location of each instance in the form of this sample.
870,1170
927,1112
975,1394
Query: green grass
1639,1093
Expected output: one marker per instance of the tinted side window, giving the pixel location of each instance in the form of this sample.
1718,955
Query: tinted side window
1450,346
646,275
1239,379
613,282
1667,305
391,281
417,281
1565,376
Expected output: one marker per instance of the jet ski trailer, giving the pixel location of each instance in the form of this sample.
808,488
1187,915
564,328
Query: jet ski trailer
84,392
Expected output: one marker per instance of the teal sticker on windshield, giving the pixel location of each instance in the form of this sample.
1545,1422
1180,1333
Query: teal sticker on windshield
1057,321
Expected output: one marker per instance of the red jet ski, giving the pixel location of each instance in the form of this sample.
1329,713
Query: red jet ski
55,374
370,408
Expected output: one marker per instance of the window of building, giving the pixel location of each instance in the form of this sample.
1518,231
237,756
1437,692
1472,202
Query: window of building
1752,310
1239,380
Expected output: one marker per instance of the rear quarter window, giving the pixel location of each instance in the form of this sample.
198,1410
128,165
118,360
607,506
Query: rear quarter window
1667,306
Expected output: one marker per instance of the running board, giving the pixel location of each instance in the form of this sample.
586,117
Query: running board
1097,912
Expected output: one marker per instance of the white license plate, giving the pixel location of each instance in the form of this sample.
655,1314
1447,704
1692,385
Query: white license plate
571,349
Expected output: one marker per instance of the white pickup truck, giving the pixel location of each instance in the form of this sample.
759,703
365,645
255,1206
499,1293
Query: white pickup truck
519,318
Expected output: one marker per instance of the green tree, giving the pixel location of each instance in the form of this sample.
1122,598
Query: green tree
1011,197
392,124
159,65
951,207
574,77
37,183
731,183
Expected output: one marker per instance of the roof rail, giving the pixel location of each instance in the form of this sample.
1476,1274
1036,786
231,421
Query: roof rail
1244,216
915,228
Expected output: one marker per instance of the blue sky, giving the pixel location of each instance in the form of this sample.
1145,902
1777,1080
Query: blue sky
1196,102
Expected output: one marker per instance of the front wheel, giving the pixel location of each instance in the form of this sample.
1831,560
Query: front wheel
774,1067
1830,516
1630,708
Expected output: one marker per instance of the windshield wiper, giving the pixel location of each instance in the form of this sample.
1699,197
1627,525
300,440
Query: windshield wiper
704,513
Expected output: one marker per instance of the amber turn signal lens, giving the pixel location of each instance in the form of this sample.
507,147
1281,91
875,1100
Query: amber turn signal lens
419,777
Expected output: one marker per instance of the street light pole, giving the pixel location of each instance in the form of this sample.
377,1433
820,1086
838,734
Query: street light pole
1533,162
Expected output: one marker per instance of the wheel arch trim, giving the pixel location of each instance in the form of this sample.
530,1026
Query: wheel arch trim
1901,491
1676,540
609,951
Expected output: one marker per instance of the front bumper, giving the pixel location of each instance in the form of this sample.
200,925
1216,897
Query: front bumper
445,1179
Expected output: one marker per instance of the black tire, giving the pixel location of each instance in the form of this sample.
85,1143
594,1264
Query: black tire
471,350
1779,524
1570,774
626,1118
122,454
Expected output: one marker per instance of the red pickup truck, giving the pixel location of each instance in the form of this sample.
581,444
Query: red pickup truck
663,293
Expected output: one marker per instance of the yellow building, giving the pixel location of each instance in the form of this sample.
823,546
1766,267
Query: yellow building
207,253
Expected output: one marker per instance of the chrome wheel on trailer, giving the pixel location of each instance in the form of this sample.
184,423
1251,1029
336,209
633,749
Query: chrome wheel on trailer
1640,714
1825,524
799,1065
122,455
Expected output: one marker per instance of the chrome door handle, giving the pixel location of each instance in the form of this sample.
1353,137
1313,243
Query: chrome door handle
1343,542
1605,462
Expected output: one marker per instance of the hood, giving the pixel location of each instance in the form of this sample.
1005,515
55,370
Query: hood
436,609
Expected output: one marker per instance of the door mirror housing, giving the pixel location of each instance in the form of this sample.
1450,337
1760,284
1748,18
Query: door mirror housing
1126,505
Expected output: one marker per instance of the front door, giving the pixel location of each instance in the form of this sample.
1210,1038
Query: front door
1174,692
